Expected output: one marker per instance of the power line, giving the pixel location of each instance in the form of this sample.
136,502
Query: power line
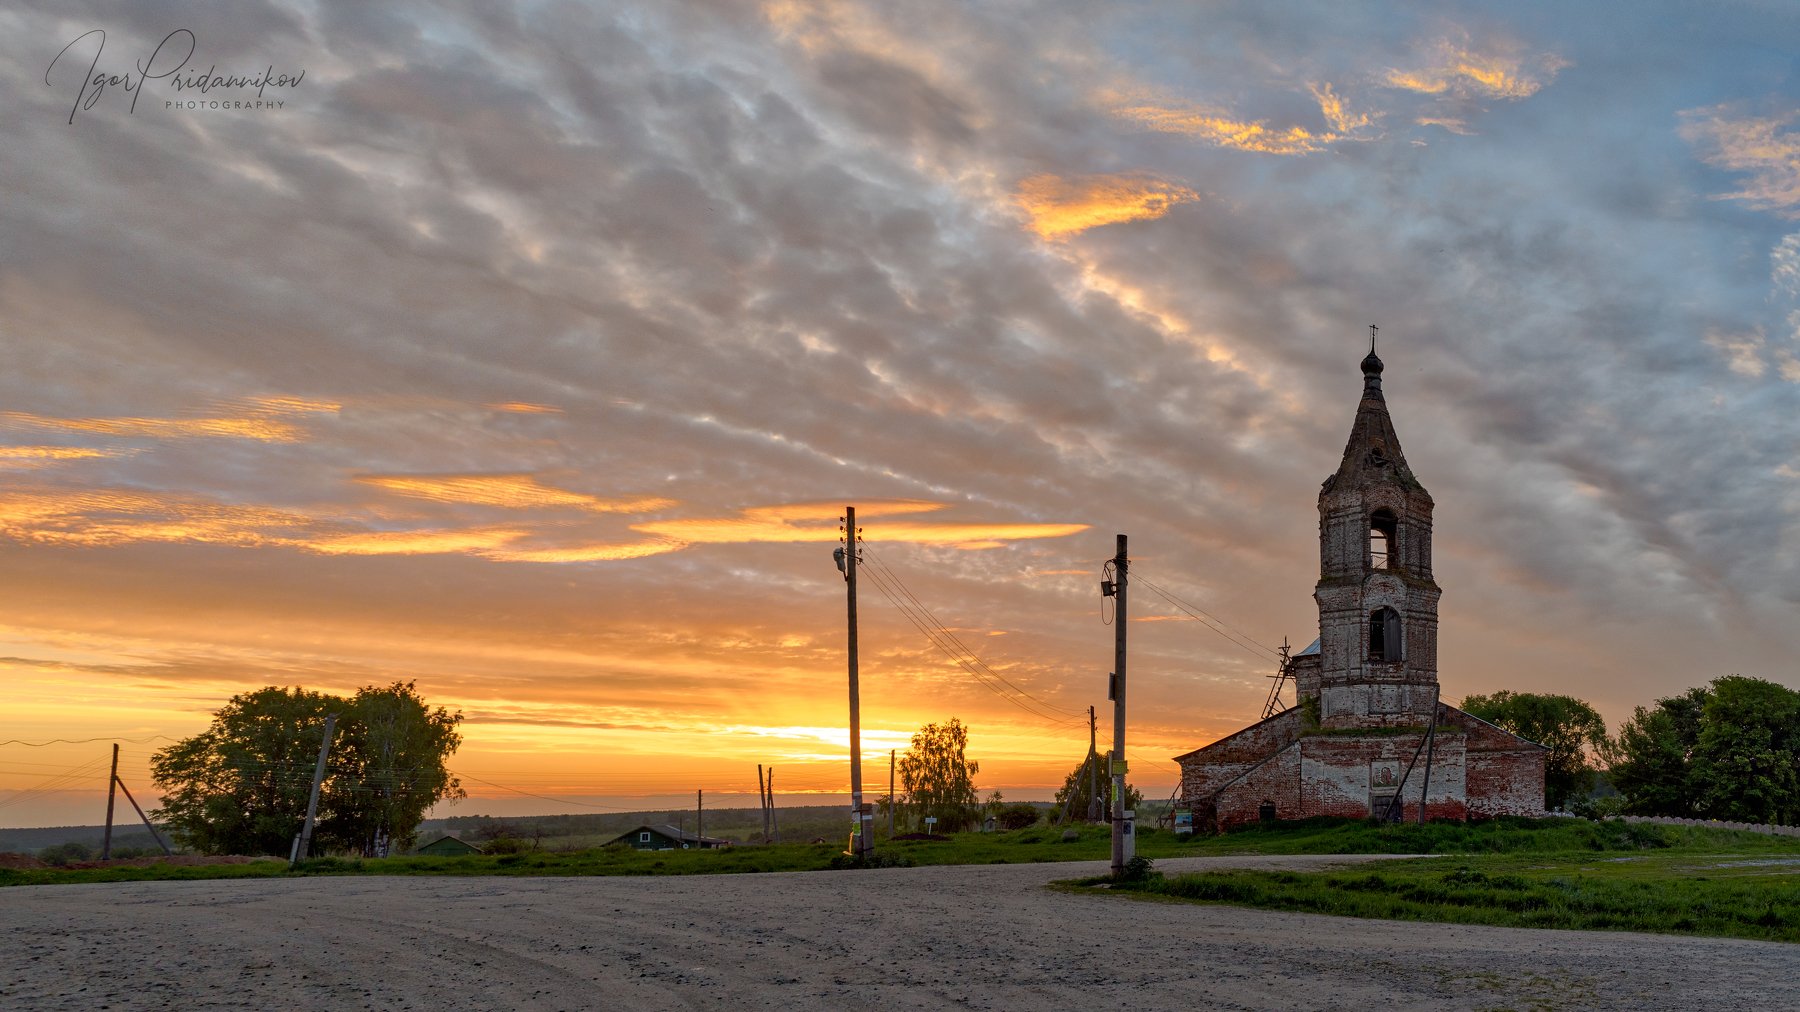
541,797
889,573
1212,622
901,597
86,741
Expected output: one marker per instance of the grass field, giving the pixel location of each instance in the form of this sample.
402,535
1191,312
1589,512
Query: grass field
1541,874
1564,873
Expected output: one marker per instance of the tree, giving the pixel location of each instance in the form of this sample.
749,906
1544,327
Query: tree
1573,731
1730,750
1747,761
1650,762
938,779
1075,796
241,786
392,748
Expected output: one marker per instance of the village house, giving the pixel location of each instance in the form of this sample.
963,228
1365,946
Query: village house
1369,736
447,846
667,837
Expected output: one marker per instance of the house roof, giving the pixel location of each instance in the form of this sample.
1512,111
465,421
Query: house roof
672,832
448,839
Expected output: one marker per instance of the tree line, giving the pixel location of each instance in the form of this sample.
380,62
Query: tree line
1728,750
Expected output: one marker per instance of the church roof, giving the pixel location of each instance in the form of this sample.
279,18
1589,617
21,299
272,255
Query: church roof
1373,450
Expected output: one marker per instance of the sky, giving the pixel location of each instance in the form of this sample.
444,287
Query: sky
530,351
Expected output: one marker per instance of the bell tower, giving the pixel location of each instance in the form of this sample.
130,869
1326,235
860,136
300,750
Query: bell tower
1378,604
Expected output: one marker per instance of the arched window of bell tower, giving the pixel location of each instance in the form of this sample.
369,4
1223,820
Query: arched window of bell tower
1385,639
1384,532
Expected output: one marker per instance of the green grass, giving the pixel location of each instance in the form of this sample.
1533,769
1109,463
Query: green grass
1537,873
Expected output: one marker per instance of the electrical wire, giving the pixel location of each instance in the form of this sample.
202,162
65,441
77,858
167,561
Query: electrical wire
1212,622
86,741
889,584
57,783
542,797
954,639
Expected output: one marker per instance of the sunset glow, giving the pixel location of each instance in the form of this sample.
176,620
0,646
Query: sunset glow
534,355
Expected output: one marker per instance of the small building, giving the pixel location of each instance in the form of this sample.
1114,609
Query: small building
447,846
667,837
1370,736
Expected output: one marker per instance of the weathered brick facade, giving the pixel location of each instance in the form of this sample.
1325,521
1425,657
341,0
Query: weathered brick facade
1368,688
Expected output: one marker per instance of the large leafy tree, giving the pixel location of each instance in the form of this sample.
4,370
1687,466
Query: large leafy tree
1729,750
1077,798
392,752
938,778
1573,731
241,786
1651,761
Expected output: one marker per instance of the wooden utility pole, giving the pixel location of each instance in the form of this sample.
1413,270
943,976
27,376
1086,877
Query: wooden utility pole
1093,812
700,820
893,802
1430,743
861,820
1123,843
112,788
762,801
154,835
312,802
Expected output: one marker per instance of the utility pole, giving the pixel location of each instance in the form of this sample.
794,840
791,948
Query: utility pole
762,801
1123,843
154,835
774,824
304,846
700,820
893,802
112,788
1093,812
862,820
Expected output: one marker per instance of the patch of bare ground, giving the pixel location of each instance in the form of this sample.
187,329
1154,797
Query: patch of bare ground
978,937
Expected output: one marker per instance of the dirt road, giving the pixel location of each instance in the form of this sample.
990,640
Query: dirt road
983,937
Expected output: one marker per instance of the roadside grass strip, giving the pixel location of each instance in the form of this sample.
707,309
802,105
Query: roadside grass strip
1671,892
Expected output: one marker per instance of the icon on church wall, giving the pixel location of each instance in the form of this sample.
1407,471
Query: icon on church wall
1384,773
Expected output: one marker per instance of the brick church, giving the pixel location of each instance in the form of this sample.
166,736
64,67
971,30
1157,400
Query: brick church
1359,742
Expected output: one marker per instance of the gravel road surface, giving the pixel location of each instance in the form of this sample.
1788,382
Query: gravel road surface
974,937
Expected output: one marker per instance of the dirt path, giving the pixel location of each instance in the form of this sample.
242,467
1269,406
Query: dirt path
981,937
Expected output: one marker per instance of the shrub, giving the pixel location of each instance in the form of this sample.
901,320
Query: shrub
65,853
1019,816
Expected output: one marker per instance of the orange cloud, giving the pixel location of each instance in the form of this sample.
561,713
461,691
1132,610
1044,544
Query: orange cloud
1210,126
590,553
1060,206
524,408
267,419
474,540
513,491
116,517
1763,148
1456,69
1450,123
21,458
1336,113
818,523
